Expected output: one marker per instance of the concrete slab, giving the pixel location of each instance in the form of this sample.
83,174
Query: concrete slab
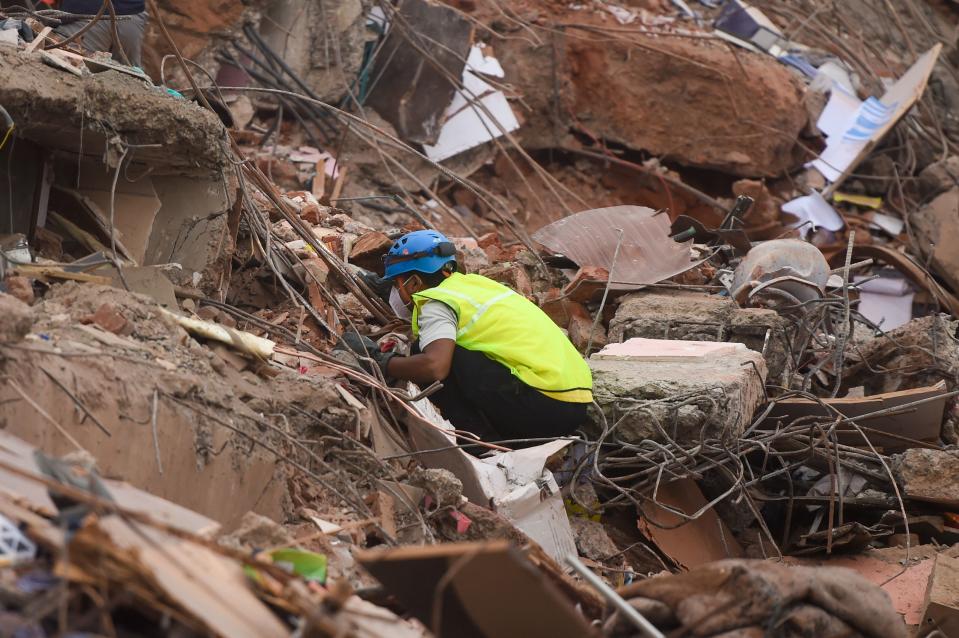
689,316
681,395
639,349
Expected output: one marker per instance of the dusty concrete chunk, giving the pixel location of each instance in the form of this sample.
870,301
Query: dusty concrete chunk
701,317
15,319
930,475
649,397
937,225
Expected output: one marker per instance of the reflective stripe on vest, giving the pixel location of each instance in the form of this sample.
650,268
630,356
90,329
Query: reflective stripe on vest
513,331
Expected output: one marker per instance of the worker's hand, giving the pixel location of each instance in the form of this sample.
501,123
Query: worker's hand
380,286
366,349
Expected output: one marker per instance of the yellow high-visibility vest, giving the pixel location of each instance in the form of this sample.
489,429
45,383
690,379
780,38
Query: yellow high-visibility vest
511,330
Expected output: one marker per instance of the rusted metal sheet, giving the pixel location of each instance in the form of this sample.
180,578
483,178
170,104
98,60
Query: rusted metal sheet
647,255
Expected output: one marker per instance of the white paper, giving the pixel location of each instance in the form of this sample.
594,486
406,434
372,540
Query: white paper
886,301
467,124
840,112
813,208
873,120
888,223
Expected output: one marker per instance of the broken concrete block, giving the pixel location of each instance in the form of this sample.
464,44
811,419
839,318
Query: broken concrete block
316,269
930,475
587,285
939,177
717,393
700,317
470,255
942,599
937,227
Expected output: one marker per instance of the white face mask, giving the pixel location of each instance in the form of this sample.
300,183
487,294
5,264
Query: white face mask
396,303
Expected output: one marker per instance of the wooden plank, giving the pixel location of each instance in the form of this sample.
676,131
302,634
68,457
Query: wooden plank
38,40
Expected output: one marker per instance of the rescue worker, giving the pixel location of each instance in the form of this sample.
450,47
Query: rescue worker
508,371
100,36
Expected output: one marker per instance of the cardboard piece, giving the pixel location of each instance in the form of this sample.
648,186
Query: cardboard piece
865,125
516,484
483,590
697,542
921,423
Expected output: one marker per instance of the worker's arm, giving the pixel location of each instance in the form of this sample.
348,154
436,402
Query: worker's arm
433,364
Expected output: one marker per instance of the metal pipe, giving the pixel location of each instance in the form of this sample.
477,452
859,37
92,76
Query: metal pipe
645,627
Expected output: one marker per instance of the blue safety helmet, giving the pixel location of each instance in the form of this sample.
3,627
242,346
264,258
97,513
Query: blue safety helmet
425,251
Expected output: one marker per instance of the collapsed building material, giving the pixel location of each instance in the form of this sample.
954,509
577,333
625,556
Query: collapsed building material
941,613
475,590
631,243
931,476
738,597
418,68
169,397
700,317
665,391
937,225
689,543
642,102
173,212
896,430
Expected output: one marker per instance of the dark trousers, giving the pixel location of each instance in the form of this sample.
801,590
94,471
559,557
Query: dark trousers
483,397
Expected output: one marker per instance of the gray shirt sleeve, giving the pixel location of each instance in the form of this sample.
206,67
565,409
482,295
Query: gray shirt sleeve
436,321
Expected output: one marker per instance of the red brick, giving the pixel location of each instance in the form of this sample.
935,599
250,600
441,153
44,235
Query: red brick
109,318
580,325
512,275
588,284
556,306
313,213
489,239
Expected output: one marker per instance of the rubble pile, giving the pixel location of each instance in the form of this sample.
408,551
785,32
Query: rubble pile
740,214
